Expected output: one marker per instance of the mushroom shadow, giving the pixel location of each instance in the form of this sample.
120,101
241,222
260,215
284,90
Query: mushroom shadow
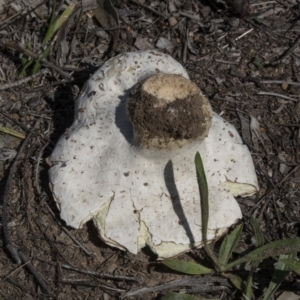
122,119
171,186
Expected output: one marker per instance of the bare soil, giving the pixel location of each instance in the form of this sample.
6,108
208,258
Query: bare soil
246,63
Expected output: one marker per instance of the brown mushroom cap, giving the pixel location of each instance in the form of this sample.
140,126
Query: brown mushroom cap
168,111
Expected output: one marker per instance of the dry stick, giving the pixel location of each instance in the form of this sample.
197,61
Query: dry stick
65,230
15,282
8,185
183,14
87,282
22,14
275,82
271,191
46,86
102,275
19,257
149,8
17,269
35,273
22,81
182,282
287,53
48,207
37,57
278,95
13,121
283,3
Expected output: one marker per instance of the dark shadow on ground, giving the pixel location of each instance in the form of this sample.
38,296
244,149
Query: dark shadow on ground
171,186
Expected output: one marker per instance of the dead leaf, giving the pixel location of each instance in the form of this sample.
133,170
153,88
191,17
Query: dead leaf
288,296
255,130
107,16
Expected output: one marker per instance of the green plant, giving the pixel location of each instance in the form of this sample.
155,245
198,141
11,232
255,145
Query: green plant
54,26
222,265
12,132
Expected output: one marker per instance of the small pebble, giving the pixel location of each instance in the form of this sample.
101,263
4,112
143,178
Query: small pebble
172,21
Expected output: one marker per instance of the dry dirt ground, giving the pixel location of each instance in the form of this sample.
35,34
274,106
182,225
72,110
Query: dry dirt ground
246,61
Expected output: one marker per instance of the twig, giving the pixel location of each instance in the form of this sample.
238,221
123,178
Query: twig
9,245
102,275
35,273
87,282
13,121
270,191
155,12
37,57
182,282
22,81
183,14
15,282
46,86
283,3
287,52
22,14
278,95
37,184
14,271
274,81
67,231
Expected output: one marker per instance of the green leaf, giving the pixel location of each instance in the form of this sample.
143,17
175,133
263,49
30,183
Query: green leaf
12,132
25,58
26,66
108,17
272,249
259,236
178,296
26,61
37,64
248,291
259,241
292,264
229,243
54,26
280,272
235,280
203,190
186,267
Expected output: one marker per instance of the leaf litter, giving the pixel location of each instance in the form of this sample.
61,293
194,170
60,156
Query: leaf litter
216,41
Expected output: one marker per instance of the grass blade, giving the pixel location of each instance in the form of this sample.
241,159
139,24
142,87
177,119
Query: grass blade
54,26
259,236
229,243
259,241
248,291
235,280
280,272
12,132
26,61
37,64
186,267
203,190
292,264
272,249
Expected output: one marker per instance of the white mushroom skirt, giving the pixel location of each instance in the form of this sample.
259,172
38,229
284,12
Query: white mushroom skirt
99,174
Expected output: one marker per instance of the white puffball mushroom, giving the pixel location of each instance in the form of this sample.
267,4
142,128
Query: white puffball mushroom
127,161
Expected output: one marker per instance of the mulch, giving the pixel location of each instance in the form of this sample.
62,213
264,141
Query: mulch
245,59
